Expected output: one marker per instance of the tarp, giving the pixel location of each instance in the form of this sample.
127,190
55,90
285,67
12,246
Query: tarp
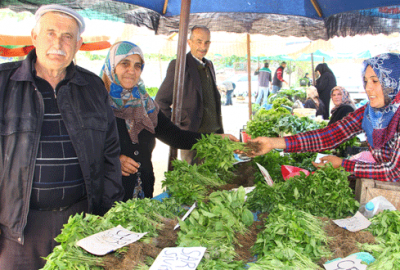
298,18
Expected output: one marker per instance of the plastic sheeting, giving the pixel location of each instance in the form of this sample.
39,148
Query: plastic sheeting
274,17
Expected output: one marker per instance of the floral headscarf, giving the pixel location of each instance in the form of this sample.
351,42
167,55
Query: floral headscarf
380,124
346,100
134,105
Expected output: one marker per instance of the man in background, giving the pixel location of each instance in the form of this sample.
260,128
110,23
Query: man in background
59,143
201,105
264,78
278,78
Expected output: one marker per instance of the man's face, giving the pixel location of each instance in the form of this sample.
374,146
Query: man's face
56,43
199,43
284,65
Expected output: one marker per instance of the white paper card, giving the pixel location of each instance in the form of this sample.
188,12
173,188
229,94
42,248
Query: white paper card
187,214
362,137
354,224
348,263
110,240
182,258
319,156
266,175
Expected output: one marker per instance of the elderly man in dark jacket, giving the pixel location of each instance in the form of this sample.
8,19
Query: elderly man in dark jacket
201,106
59,146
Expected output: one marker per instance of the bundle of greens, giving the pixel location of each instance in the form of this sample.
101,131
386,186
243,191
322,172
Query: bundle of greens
190,183
273,160
214,225
136,215
289,228
326,193
385,226
217,152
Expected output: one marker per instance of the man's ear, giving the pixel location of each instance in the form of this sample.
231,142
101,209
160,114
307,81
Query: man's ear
33,37
79,44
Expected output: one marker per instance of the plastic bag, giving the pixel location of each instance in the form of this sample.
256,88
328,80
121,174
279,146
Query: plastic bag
380,204
290,171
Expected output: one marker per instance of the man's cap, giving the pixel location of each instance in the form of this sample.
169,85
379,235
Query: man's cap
63,9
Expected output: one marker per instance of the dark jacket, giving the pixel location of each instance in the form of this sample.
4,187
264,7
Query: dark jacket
340,113
141,152
276,81
324,85
192,100
311,104
83,104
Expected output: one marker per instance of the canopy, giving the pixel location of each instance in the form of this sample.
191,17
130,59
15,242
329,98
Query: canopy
315,19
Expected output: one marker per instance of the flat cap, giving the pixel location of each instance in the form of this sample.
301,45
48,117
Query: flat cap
58,8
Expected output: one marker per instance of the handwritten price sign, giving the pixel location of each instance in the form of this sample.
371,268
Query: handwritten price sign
349,263
104,242
183,258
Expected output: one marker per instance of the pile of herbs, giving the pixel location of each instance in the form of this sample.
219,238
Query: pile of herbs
385,226
213,224
136,215
273,160
325,193
291,238
190,183
290,94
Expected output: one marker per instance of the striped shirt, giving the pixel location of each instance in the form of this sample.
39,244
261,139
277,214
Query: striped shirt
58,181
387,166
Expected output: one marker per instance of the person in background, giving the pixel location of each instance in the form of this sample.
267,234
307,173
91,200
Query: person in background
264,78
324,84
305,81
139,119
314,102
229,87
278,78
379,119
201,106
59,142
343,104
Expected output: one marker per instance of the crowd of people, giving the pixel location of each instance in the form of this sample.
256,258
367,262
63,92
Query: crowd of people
73,141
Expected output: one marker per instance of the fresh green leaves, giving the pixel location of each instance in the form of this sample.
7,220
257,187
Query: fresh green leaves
326,193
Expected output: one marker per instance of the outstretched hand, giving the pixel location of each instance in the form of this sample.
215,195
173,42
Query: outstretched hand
336,161
263,145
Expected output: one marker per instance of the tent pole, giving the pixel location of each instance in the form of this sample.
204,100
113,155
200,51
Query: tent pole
179,73
249,73
312,69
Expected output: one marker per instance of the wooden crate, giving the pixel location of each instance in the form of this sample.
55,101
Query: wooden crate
367,189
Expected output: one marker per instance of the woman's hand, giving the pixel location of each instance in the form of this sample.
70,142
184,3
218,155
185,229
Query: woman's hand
266,144
231,137
128,165
336,161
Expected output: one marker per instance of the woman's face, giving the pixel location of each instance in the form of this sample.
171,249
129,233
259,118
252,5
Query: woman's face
337,97
129,70
373,88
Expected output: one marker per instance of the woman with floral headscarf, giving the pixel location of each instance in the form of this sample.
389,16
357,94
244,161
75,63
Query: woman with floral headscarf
379,119
343,104
139,120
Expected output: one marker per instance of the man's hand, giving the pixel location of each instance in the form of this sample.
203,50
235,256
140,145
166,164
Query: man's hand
336,161
128,165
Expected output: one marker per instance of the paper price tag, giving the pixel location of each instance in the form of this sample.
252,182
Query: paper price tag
104,242
349,263
354,224
266,175
187,214
183,258
319,156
